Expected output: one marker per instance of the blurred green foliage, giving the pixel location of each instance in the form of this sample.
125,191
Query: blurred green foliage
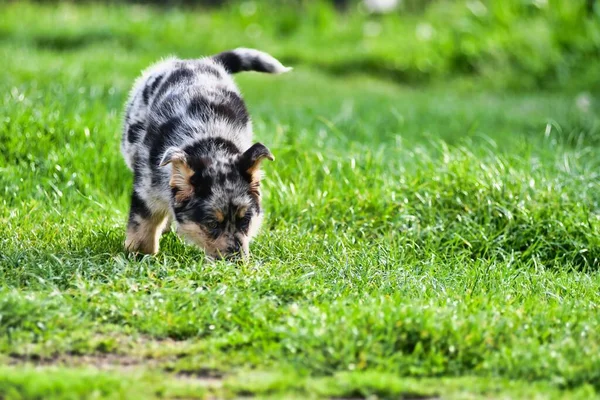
516,44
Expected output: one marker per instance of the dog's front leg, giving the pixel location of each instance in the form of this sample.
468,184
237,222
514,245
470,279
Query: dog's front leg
144,227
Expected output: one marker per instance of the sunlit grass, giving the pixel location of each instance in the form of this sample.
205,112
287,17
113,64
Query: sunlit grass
412,233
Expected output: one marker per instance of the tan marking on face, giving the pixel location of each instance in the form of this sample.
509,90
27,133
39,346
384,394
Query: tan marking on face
143,235
195,234
242,211
219,216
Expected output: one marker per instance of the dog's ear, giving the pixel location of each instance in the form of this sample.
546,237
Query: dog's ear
172,155
252,158
180,173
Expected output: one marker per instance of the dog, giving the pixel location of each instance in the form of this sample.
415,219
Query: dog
187,137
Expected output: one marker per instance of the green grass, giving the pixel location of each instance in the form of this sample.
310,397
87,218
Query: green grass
420,240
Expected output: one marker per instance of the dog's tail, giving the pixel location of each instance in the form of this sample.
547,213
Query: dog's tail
243,59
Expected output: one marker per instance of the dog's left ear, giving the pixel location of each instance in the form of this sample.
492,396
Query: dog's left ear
252,158
180,173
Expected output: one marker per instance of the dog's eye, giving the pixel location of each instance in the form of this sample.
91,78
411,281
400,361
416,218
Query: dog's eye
213,225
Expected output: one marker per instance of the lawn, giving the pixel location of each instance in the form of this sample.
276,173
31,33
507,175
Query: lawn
426,236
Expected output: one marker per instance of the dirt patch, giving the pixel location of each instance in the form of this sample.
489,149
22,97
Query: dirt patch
121,363
204,376
103,361
406,396
204,381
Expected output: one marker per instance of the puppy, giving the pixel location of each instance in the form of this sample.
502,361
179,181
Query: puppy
188,140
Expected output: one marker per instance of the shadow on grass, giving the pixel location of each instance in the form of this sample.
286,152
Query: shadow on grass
71,41
96,255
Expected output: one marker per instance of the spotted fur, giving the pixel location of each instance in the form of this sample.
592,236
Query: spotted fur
188,140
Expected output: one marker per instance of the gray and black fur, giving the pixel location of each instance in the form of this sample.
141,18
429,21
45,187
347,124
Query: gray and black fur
188,140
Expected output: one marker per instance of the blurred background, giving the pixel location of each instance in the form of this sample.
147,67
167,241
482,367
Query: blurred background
508,44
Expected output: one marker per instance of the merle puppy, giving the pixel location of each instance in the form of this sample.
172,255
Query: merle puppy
188,140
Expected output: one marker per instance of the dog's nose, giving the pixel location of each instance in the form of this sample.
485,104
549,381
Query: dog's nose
236,247
234,251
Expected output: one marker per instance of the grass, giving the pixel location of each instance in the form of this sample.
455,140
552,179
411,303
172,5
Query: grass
421,240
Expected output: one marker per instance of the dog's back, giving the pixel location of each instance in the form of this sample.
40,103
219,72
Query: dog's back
175,100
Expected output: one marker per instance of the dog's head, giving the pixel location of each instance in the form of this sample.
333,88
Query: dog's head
216,199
